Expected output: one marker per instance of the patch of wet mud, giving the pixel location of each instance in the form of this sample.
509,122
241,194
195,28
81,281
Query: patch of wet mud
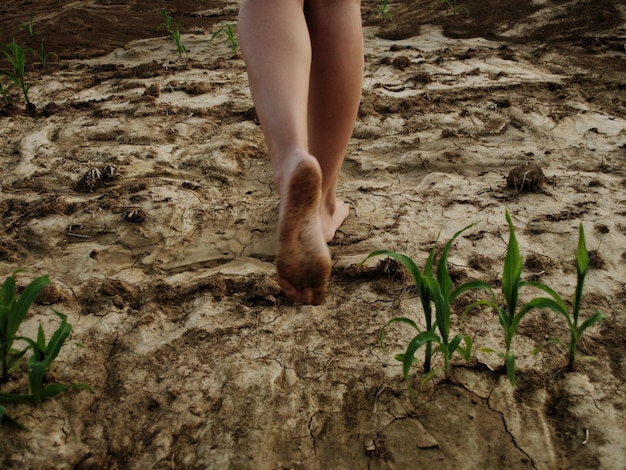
142,186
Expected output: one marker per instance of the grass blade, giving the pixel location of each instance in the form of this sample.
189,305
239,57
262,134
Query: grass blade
428,376
417,342
17,398
454,344
58,338
471,306
582,264
36,376
442,308
52,390
7,294
443,276
551,292
4,418
598,316
582,256
512,270
548,343
24,302
470,285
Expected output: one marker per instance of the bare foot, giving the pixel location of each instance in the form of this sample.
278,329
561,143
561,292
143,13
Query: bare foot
333,217
303,259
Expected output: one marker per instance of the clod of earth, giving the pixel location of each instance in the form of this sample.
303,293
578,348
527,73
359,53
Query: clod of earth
525,178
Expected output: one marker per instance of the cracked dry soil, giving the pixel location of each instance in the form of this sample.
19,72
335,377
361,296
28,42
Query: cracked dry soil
142,186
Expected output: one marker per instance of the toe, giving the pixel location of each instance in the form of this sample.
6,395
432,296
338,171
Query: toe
289,289
318,296
305,295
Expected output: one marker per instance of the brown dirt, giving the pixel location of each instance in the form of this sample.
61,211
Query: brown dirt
141,184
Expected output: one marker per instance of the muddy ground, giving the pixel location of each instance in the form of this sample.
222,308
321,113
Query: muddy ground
141,185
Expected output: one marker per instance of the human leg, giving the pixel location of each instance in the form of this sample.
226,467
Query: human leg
290,67
276,47
334,94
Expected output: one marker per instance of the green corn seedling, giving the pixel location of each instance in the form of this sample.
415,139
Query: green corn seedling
29,27
13,310
231,38
437,291
382,10
556,303
42,56
509,315
4,92
16,55
12,313
423,292
168,22
173,33
180,47
454,7
41,360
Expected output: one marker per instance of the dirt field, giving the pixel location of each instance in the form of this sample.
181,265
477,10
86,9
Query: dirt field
141,185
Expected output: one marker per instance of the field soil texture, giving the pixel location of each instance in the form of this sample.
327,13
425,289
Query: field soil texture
140,182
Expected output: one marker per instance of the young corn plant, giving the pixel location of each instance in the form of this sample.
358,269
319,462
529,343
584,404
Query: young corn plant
180,47
455,8
173,33
556,303
230,37
434,290
13,310
42,56
29,27
16,55
423,293
4,92
39,365
168,22
509,314
382,10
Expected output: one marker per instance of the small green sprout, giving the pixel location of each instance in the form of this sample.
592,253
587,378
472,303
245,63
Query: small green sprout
173,33
454,7
439,292
180,47
509,315
12,313
41,360
29,27
168,22
42,56
16,55
231,38
382,10
556,303
4,92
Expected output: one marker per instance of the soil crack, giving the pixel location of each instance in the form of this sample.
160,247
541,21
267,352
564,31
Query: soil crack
508,431
312,434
